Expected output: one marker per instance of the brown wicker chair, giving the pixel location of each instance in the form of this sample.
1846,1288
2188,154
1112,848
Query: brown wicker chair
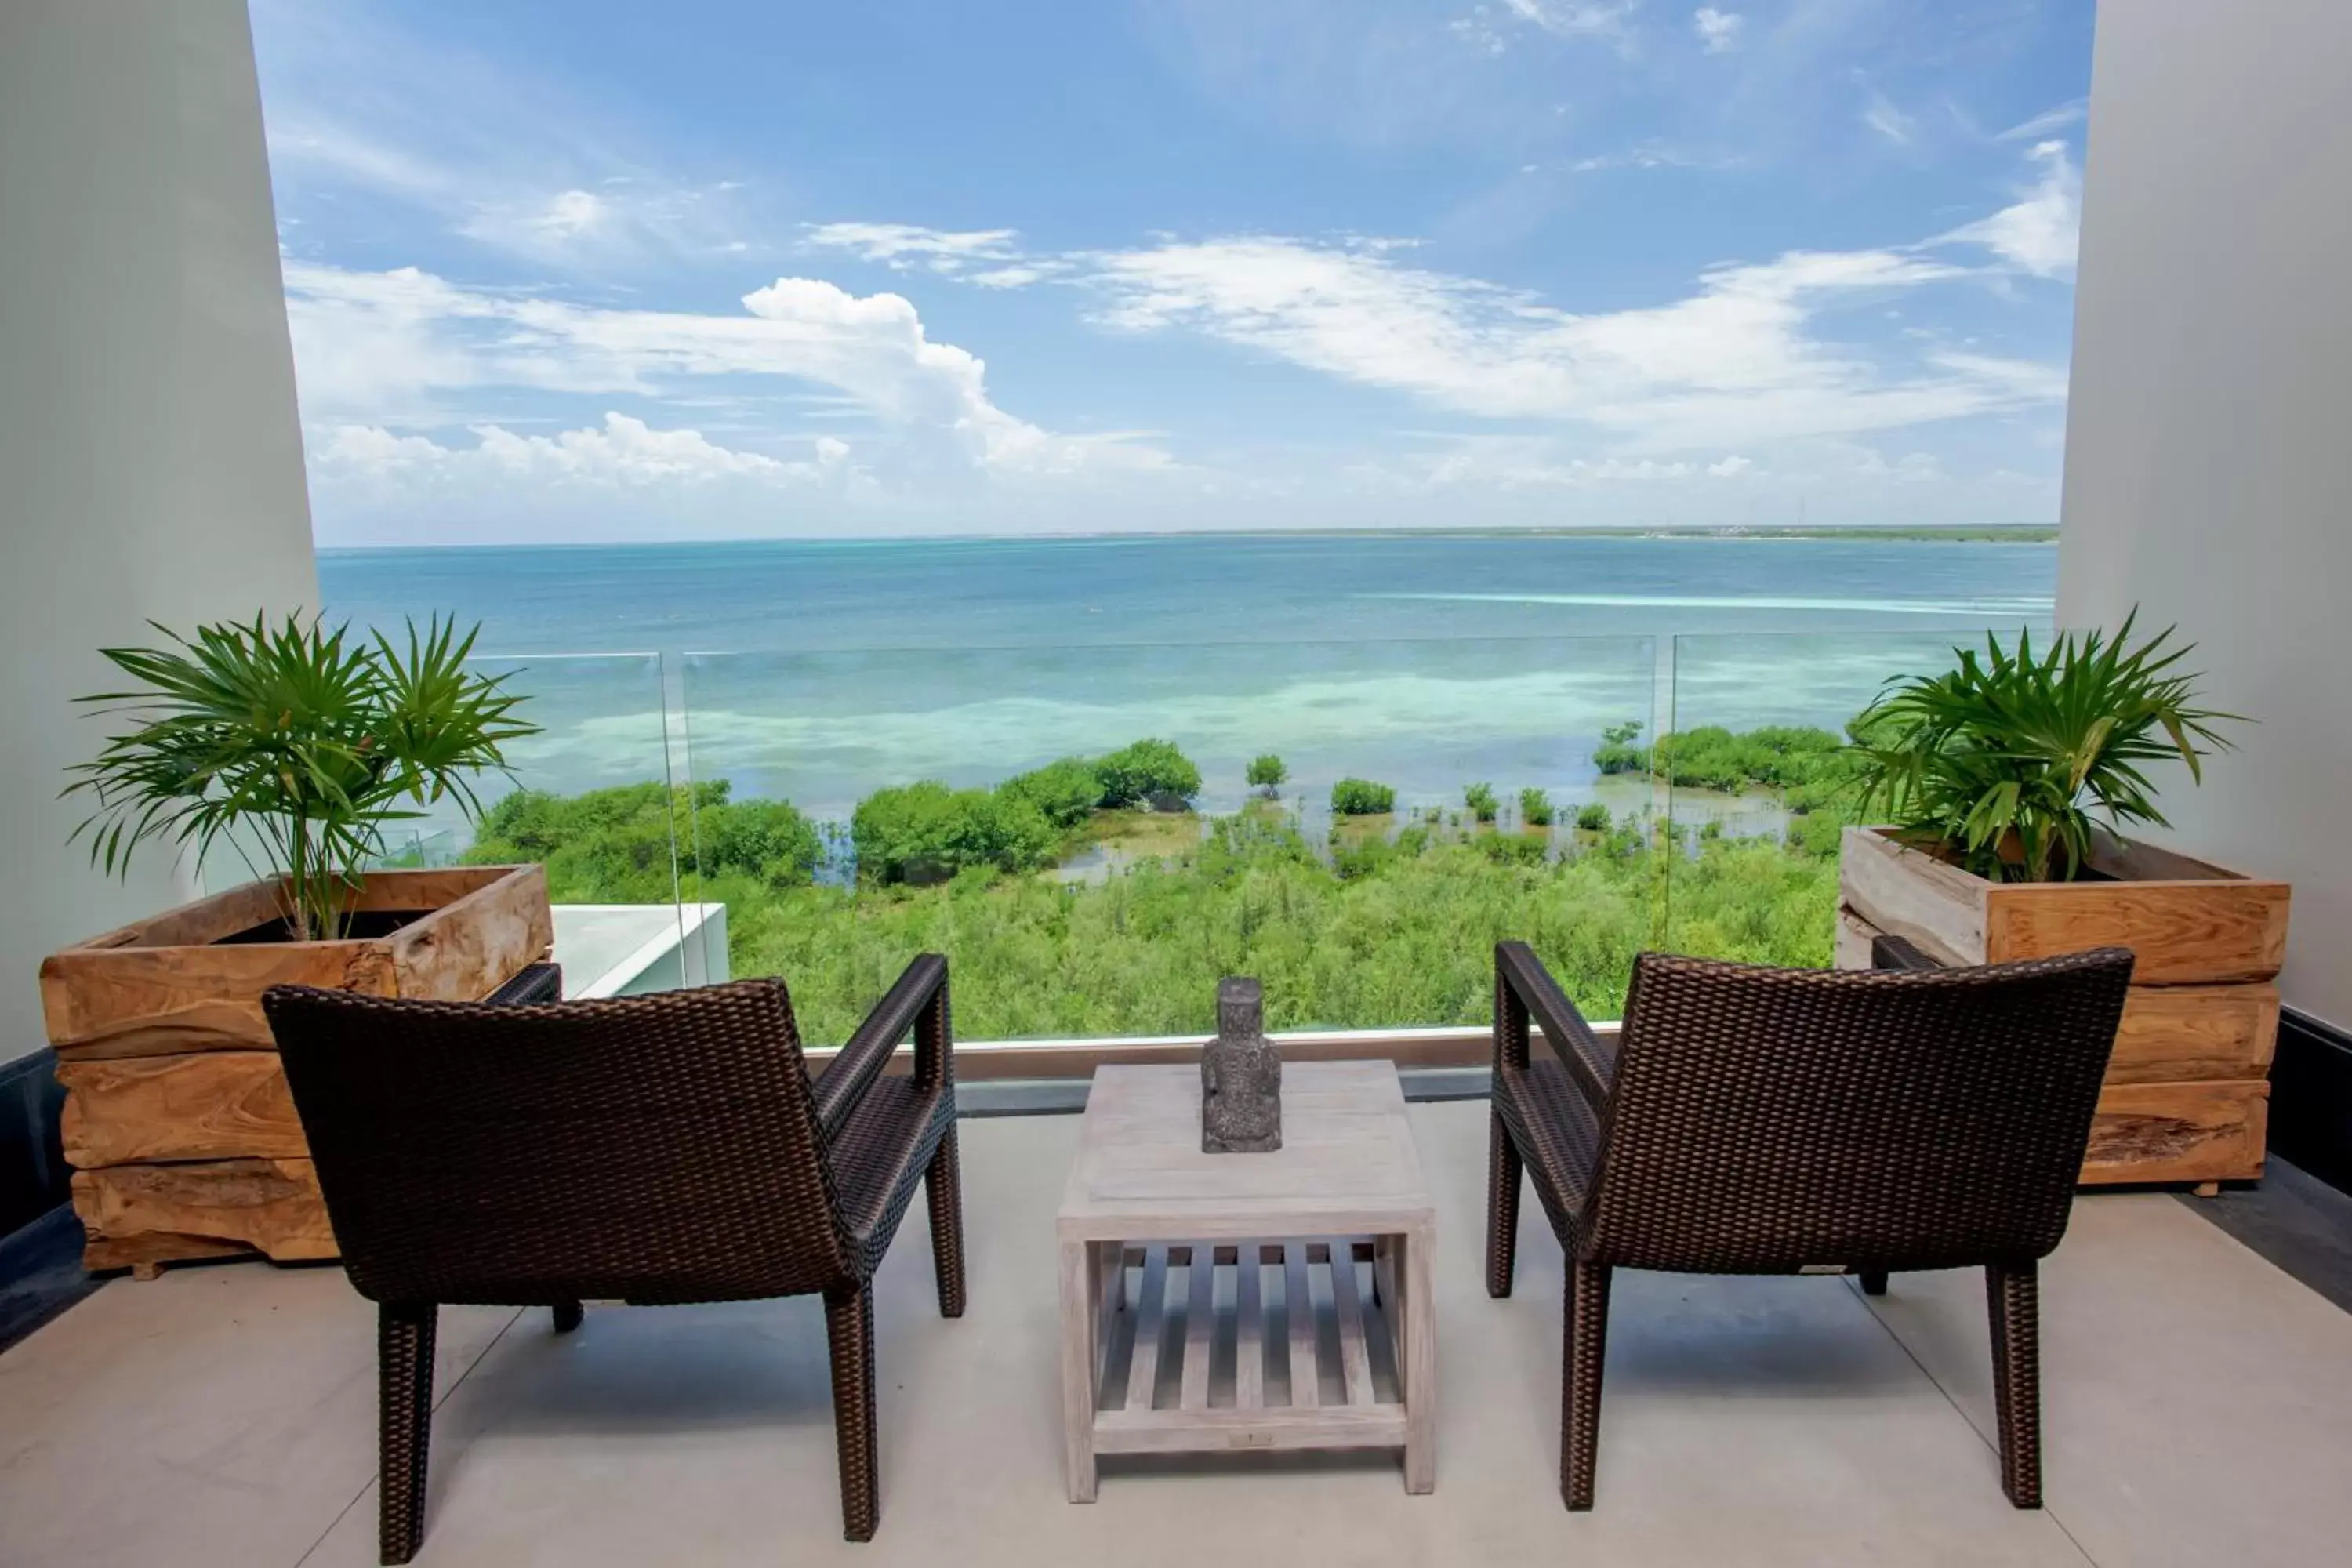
653,1150
1754,1121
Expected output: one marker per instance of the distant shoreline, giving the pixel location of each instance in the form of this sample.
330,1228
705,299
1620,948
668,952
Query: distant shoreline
1974,533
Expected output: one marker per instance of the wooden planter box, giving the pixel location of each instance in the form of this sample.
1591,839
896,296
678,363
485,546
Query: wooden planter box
177,1119
2188,1092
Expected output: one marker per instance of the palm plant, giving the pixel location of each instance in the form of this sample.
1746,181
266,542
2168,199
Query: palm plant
2005,761
311,741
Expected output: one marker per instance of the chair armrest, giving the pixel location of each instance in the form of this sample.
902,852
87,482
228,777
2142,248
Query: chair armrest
918,1002
1898,953
1524,988
533,984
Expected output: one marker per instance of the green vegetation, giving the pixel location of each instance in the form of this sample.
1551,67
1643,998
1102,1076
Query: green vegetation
1480,800
1773,757
1810,771
1361,797
765,838
296,743
926,832
1380,924
1402,932
1066,793
1148,773
1620,750
2005,760
1267,774
1534,807
617,841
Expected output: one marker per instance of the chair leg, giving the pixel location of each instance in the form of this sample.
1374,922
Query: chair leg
849,1325
1874,1281
943,1191
1584,1351
568,1316
2012,1295
404,1345
1503,1183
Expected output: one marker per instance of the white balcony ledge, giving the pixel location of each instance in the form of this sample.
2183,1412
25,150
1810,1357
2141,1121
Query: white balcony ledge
628,950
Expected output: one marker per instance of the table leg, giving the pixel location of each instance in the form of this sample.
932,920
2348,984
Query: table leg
1109,1261
1081,1360
1418,1332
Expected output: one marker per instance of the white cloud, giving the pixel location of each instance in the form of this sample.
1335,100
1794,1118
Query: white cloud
1488,29
628,220
626,223
504,155
1718,31
1019,276
376,344
324,147
2028,381
1576,18
378,131
573,213
623,451
1911,468
901,245
382,345
1509,463
2072,112
1544,480
1647,155
1739,359
1880,114
1019,449
2041,231
628,451
615,479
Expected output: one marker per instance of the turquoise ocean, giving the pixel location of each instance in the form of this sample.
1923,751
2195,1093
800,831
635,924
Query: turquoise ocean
818,671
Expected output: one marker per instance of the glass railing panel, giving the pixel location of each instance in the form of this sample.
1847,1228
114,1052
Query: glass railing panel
592,797
600,760
1081,831
1755,786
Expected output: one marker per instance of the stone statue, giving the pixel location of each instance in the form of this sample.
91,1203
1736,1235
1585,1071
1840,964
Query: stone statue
1241,1077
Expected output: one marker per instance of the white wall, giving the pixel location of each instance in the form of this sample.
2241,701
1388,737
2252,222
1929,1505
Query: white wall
151,461
2210,425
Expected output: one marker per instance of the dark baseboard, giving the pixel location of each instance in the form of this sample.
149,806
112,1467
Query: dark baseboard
2311,1099
40,1273
33,1172
40,1240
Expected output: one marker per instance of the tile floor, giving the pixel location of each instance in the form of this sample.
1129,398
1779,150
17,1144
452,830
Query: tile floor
2198,1407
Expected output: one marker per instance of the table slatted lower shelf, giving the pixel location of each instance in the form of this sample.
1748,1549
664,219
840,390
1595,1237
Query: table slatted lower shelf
1255,1344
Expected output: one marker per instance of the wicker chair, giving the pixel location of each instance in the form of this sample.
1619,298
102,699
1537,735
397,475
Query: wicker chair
1754,1121
653,1150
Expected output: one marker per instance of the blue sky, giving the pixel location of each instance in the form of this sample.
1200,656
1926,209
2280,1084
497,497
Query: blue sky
598,271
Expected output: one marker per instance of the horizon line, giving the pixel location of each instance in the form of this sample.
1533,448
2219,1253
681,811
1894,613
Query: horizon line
1705,531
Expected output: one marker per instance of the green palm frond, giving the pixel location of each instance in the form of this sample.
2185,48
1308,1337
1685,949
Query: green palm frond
308,739
2014,759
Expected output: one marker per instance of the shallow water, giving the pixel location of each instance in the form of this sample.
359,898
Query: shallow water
820,672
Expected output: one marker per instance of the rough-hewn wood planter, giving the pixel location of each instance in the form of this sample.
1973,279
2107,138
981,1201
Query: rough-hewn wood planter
177,1119
2186,1098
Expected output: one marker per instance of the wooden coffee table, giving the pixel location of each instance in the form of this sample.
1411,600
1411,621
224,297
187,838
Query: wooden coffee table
1180,1271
